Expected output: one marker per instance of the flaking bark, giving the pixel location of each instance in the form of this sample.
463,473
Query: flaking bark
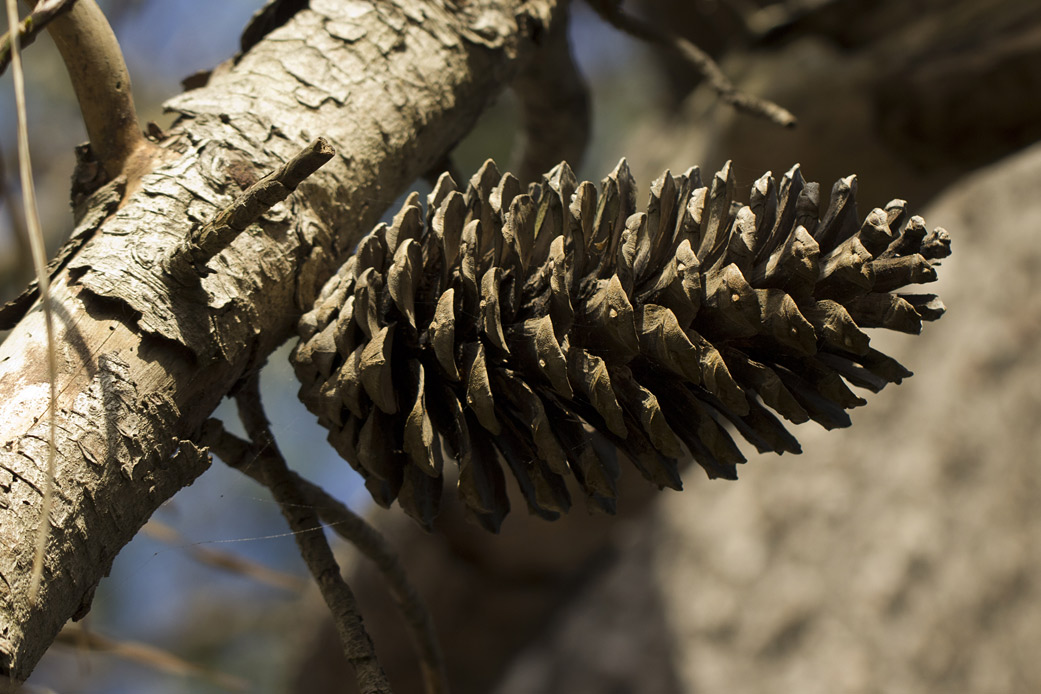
143,360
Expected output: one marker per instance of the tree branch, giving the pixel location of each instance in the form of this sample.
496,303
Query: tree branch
701,61
365,538
148,656
310,538
555,109
101,81
144,360
30,27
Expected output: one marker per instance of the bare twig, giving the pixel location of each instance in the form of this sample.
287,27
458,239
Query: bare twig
39,253
765,20
224,561
310,538
701,61
355,530
102,84
149,656
187,260
31,26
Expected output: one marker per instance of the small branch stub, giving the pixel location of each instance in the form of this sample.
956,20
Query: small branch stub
187,261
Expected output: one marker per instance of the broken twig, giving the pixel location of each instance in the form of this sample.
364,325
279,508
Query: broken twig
187,261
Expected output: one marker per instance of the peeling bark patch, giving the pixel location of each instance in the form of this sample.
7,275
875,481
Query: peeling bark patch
345,31
99,506
179,313
190,456
301,65
92,446
349,11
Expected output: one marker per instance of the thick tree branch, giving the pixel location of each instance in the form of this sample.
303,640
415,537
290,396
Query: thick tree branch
143,360
555,109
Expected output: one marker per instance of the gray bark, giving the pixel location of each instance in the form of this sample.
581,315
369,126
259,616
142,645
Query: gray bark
144,359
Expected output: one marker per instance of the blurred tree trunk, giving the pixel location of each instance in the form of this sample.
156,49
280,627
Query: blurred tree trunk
143,356
944,85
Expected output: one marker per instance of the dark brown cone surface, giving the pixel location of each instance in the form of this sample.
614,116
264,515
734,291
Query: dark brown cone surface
541,331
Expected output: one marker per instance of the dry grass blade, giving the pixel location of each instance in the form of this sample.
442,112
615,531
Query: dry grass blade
39,253
224,561
148,656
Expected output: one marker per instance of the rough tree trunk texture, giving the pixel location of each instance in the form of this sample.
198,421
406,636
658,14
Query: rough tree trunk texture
144,360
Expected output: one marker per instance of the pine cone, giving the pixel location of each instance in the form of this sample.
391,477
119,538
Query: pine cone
551,328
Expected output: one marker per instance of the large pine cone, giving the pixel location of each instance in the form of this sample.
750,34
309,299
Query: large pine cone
551,328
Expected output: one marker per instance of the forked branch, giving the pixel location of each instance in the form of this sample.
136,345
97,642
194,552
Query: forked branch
366,539
310,538
698,59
